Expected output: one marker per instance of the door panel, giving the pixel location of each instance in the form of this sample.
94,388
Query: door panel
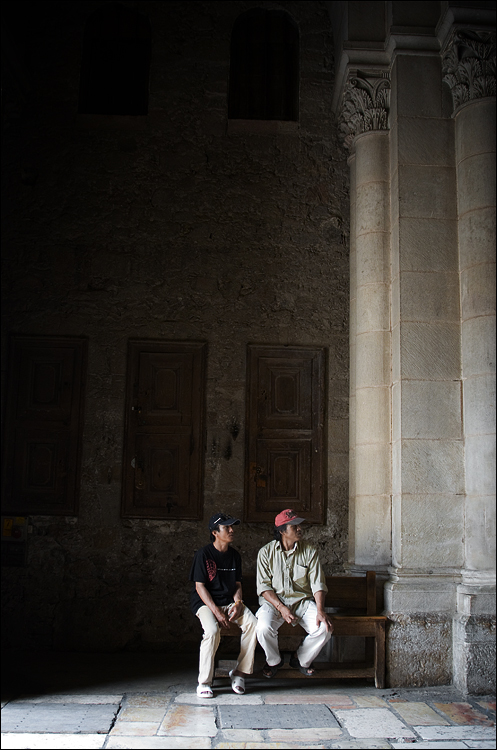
162,473
165,389
45,391
41,467
283,474
285,428
285,394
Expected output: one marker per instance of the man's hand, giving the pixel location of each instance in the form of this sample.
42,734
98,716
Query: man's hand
222,618
287,615
235,611
323,617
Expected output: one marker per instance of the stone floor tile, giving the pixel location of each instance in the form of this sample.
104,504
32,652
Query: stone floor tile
464,713
159,743
372,722
70,698
141,713
254,745
488,705
276,716
431,745
304,735
302,698
149,701
135,728
481,745
419,713
58,718
220,699
369,701
189,721
242,735
365,744
456,733
15,741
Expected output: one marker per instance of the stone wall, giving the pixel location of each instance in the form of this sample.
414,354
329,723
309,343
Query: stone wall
175,226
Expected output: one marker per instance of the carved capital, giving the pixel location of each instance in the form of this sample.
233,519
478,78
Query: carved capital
365,104
468,65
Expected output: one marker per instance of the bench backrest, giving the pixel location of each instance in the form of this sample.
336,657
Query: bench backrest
352,592
344,592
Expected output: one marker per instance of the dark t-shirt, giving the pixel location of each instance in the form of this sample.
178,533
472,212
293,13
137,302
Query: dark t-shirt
219,571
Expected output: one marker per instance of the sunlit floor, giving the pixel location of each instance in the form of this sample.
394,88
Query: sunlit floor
148,700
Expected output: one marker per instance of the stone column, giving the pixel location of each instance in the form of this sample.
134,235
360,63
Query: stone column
352,356
364,124
469,69
427,446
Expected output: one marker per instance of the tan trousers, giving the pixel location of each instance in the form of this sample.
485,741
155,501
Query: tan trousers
269,621
212,636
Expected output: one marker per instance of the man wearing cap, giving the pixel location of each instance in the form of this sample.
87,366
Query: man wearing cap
292,588
216,599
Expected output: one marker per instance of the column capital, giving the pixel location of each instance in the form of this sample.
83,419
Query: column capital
365,105
468,65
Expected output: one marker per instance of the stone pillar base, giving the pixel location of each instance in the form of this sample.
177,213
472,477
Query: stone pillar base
474,636
420,608
419,650
474,654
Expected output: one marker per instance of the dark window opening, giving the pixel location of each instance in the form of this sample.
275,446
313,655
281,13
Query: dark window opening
44,425
264,67
115,63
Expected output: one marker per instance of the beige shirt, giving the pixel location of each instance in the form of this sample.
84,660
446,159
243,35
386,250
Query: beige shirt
294,576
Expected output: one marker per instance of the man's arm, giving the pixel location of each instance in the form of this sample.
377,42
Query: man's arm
264,578
236,611
319,597
317,582
284,611
207,599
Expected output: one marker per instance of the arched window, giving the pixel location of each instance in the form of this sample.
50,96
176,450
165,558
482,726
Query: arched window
264,66
115,63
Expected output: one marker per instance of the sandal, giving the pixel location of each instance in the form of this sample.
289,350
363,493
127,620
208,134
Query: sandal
295,664
237,683
269,671
204,691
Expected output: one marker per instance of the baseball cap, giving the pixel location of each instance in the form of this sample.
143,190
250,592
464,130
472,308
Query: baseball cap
221,519
287,516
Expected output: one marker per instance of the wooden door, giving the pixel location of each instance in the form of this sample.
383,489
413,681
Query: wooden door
285,429
44,422
164,430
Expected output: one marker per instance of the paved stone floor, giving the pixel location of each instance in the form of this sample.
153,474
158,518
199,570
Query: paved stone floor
148,701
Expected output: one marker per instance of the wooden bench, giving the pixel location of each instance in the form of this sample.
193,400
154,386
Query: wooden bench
355,598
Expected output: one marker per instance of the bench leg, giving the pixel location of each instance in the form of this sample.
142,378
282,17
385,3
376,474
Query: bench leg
369,650
379,656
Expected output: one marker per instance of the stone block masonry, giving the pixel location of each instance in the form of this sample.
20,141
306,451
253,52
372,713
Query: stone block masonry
168,226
